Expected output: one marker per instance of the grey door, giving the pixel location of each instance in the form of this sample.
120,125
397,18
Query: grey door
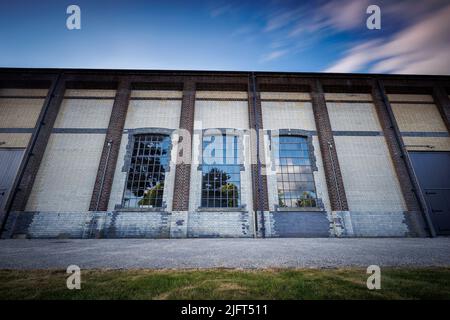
9,164
433,171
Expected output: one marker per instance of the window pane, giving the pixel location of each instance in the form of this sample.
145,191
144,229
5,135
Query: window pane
146,175
220,172
294,173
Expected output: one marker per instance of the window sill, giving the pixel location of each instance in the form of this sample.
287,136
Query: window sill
162,209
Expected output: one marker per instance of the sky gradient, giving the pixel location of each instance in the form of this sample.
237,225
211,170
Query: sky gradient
297,36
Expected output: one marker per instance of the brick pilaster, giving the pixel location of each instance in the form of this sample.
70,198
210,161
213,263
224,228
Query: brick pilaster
443,103
333,175
111,147
183,167
259,178
394,150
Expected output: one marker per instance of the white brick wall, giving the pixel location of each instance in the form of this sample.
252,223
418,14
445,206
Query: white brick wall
368,173
153,113
353,116
287,115
66,177
84,113
19,113
222,114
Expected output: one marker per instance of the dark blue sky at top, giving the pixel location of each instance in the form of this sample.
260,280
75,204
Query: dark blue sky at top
216,35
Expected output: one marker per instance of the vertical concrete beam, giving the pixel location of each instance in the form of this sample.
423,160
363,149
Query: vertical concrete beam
183,166
442,101
35,151
333,175
259,178
110,153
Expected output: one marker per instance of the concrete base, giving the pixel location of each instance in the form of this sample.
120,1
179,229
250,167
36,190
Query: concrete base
208,224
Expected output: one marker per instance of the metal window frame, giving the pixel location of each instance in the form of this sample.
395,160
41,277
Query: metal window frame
308,135
240,152
132,134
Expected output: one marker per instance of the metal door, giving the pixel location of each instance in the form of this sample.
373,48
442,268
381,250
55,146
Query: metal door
433,172
9,164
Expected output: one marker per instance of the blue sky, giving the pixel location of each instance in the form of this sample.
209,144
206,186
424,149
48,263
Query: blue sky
300,36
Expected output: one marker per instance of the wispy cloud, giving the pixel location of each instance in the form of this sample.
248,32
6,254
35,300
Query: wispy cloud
220,10
422,47
273,55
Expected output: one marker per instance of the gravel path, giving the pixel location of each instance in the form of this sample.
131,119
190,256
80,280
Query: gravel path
226,253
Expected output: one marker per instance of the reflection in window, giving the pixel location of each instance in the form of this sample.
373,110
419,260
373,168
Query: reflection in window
220,172
146,175
295,178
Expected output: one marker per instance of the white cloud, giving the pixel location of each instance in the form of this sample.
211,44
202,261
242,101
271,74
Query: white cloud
273,55
423,47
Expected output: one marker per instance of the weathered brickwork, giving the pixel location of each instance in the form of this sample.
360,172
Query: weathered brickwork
336,189
219,224
183,167
373,224
108,160
86,225
258,171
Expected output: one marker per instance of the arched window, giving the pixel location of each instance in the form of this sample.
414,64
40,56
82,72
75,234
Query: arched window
221,182
295,178
149,163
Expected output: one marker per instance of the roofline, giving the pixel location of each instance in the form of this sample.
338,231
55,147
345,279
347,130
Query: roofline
221,72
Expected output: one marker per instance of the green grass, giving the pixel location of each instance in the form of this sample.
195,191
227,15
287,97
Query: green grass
404,283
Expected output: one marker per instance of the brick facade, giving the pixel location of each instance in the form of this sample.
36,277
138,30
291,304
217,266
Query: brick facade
336,190
183,219
46,121
111,147
183,167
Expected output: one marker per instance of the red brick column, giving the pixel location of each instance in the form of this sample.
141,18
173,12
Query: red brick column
111,147
183,167
336,190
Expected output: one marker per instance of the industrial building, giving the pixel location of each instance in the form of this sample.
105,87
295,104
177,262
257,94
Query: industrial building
176,154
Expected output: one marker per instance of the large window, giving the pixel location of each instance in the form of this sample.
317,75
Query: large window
147,172
220,172
295,178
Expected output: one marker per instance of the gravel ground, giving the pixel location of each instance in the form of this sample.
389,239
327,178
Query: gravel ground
223,253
